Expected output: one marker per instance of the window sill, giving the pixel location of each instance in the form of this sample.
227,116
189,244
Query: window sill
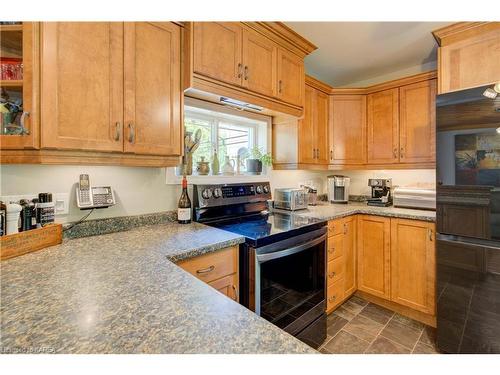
173,179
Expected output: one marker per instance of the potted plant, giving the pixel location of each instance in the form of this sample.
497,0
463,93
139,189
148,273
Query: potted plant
256,159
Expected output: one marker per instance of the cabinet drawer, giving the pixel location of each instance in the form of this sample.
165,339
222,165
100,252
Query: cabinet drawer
335,246
213,266
335,270
334,227
334,294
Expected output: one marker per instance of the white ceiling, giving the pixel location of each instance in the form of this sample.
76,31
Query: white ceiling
350,52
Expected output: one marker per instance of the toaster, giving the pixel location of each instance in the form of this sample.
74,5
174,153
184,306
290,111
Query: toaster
290,199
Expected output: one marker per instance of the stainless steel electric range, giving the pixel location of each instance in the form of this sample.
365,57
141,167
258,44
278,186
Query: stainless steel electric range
282,262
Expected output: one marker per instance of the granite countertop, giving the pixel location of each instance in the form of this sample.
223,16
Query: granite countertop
330,211
120,293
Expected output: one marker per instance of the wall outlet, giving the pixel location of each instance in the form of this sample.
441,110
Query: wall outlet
61,201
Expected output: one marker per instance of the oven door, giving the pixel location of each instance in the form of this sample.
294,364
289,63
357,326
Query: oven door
290,281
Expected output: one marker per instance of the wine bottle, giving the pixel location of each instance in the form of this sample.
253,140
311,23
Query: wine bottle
184,206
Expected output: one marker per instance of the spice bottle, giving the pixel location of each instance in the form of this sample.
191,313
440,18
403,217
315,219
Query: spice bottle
45,209
25,215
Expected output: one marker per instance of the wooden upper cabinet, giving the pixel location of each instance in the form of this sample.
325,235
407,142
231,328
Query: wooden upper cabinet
413,264
374,251
313,128
82,85
259,63
291,77
321,127
383,127
468,56
306,141
417,122
348,129
217,50
22,42
153,110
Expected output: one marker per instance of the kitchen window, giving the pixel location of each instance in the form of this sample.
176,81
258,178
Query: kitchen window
224,131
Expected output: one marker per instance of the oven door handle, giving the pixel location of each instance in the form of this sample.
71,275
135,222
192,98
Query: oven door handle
292,250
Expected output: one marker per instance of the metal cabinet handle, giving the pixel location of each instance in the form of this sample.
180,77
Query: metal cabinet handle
430,235
395,153
117,131
331,251
332,275
402,150
236,295
317,153
22,123
331,154
332,298
131,133
205,270
240,66
345,228
246,73
280,84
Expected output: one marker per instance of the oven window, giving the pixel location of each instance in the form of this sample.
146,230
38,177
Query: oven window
292,285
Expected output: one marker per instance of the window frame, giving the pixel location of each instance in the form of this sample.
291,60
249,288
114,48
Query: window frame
260,124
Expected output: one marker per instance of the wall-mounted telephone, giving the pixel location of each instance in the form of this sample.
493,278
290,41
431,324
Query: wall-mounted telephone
88,196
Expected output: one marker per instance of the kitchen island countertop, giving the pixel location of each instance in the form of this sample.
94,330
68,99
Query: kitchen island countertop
121,293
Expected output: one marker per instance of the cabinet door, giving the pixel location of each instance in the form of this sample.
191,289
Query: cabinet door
348,132
217,50
291,78
22,42
227,285
82,85
321,127
417,122
153,109
350,284
413,264
259,63
383,127
374,248
306,129
471,62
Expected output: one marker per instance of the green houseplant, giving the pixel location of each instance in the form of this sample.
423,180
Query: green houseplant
256,159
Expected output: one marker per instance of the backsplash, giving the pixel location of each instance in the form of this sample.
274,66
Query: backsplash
143,190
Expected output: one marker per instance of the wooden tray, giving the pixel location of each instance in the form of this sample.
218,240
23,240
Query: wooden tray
13,245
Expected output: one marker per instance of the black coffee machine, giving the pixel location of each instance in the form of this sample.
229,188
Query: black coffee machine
381,192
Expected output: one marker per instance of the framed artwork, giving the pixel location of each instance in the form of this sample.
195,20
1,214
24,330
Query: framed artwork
477,159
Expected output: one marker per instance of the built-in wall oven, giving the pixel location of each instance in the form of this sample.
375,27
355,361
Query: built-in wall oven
283,259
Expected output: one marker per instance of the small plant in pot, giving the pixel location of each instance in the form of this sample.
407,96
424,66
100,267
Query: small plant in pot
256,159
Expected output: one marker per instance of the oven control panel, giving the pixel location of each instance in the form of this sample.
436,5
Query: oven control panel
226,194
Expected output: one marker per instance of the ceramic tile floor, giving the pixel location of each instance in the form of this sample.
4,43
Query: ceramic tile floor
358,326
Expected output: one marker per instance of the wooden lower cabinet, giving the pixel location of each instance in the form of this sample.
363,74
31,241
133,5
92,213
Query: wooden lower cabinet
388,261
413,268
227,285
374,247
218,269
341,256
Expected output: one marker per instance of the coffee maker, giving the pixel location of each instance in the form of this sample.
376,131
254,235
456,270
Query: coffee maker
381,192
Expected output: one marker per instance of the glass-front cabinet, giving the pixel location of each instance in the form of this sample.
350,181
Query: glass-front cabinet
18,83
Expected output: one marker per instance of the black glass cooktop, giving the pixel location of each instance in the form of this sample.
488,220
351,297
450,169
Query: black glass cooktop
262,229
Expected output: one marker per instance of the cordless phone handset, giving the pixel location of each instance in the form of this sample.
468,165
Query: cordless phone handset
84,196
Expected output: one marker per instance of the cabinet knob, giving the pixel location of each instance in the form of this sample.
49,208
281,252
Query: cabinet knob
236,295
22,123
205,270
117,131
131,133
332,275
